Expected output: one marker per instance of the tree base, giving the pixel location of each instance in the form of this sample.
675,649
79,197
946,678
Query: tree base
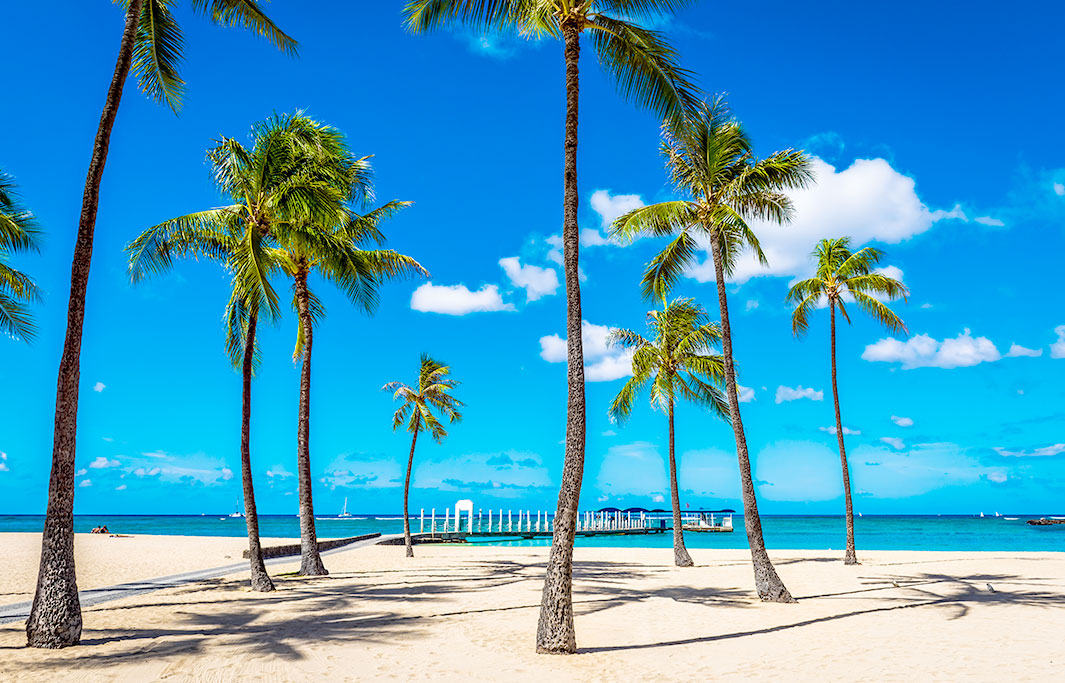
410,551
312,565
682,558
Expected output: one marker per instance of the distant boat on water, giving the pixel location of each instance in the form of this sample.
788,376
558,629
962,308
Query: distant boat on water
344,512
236,514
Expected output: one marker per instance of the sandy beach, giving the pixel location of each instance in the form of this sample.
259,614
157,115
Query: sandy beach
469,612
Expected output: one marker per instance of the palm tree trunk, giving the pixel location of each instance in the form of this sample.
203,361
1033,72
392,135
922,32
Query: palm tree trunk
680,553
260,580
554,632
766,581
55,618
406,496
850,557
310,559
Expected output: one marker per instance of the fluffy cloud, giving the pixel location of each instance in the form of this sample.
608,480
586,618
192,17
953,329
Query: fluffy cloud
457,299
894,441
85,483
744,394
902,421
611,207
1059,189
788,394
3,462
1018,350
147,472
1045,451
923,351
602,363
120,487
536,281
102,462
988,220
1057,349
869,201
846,431
98,387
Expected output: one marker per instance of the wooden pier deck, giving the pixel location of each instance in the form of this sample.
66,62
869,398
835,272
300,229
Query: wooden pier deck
466,536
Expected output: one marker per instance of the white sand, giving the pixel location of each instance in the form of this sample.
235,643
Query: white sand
469,613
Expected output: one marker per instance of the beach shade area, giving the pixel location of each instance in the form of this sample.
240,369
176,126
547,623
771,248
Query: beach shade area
466,612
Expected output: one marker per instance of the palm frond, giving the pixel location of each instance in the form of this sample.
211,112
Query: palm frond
246,14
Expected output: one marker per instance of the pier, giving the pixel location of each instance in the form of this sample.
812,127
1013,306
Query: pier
464,525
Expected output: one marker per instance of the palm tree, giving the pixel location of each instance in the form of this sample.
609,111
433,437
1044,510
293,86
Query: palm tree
646,70
711,162
337,255
277,183
676,361
18,232
151,45
433,391
842,275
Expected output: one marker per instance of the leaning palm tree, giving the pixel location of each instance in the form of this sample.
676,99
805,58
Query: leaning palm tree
675,363
711,162
18,232
842,275
337,255
277,183
433,392
152,46
646,70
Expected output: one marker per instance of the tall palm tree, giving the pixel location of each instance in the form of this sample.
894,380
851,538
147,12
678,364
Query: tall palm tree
711,163
275,184
646,70
151,45
337,255
18,232
842,275
675,362
433,391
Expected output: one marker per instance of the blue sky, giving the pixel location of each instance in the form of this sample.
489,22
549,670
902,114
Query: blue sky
938,137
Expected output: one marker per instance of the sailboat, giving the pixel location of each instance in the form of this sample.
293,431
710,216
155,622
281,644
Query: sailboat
236,514
981,514
344,512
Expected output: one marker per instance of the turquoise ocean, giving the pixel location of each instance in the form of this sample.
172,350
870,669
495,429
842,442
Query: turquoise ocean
880,532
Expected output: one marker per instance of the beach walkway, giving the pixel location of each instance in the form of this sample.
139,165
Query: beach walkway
20,611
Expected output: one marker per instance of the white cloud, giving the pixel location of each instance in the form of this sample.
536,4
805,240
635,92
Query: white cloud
988,220
3,462
81,473
902,421
1059,189
846,431
555,254
121,487
1045,451
103,462
1057,349
744,394
752,304
788,394
610,432
1018,350
997,476
536,281
658,498
610,207
85,483
894,441
869,201
602,363
279,472
227,474
924,351
151,472
457,299
98,387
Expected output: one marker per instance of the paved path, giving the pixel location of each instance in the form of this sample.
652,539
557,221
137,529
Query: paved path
20,611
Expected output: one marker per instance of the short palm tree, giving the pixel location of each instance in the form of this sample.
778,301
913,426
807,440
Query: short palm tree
337,255
432,392
647,71
845,275
152,46
711,163
675,363
18,233
275,184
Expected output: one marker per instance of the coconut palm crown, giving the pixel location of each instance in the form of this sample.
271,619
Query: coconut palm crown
676,363
18,233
